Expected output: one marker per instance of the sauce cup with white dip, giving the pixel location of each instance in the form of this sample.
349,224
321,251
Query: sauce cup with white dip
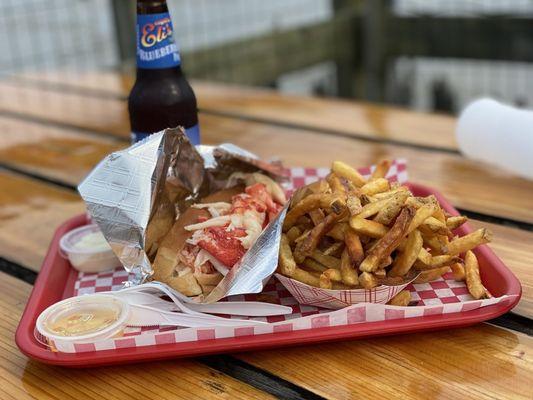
87,250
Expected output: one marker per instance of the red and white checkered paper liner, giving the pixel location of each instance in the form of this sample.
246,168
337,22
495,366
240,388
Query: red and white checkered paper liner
442,296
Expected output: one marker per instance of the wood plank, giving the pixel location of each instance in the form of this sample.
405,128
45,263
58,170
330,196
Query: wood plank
22,378
482,362
56,153
449,172
348,117
30,211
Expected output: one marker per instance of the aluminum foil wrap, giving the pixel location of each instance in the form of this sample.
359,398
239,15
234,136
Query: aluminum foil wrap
135,195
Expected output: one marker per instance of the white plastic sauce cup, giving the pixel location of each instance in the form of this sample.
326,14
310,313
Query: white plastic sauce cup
87,260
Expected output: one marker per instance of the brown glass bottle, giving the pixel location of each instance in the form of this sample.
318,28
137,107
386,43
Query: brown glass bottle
161,97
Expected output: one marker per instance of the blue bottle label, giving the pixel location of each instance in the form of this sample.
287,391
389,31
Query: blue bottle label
156,47
193,133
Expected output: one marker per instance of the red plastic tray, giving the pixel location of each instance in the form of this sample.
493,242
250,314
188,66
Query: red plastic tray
56,281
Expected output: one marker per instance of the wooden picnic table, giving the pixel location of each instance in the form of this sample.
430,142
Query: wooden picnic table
55,127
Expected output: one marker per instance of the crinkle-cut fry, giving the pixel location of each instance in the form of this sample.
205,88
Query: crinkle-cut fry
325,282
403,263
353,203
335,248
368,227
458,270
287,264
337,232
455,222
371,209
424,212
333,274
368,280
293,234
348,272
353,246
317,216
328,261
310,243
431,274
312,202
433,225
389,242
313,265
336,184
392,208
376,186
345,171
305,277
392,192
402,299
381,169
473,280
436,262
468,242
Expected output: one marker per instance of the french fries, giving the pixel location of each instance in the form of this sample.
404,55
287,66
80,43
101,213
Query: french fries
401,299
346,232
473,280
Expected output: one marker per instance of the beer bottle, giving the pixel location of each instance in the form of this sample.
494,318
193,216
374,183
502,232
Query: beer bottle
161,97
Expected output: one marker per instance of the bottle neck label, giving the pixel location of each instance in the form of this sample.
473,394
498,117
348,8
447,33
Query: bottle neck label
156,48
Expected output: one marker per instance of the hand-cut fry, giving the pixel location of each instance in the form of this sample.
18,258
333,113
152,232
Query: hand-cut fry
353,246
333,274
458,270
313,265
342,286
348,272
376,186
384,263
455,222
368,227
380,273
372,208
403,263
305,277
317,216
424,256
402,299
334,250
439,214
388,243
424,212
337,232
381,169
392,208
309,203
345,171
473,280
368,280
320,186
392,192
287,264
436,262
306,246
392,280
302,236
325,282
353,203
431,275
336,184
434,243
293,234
433,225
468,242
328,261
304,223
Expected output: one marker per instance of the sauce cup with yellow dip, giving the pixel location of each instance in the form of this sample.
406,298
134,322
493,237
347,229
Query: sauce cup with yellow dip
84,319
